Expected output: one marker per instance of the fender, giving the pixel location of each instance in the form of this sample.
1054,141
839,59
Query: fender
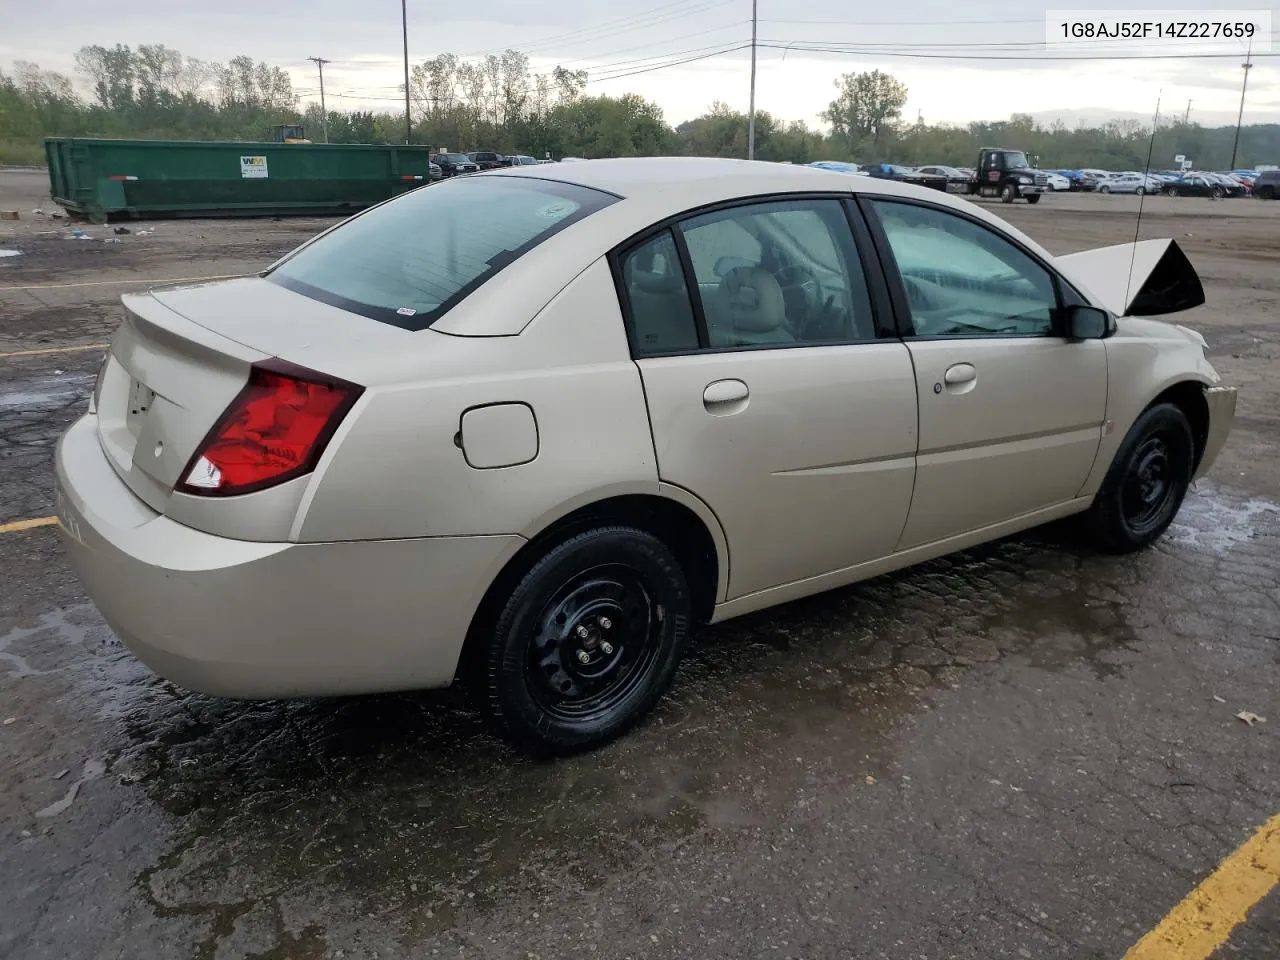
1144,279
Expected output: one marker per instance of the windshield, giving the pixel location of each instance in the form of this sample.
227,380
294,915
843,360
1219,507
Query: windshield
456,157
1016,160
408,261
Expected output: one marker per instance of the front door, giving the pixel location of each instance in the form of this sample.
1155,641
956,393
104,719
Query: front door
770,395
1011,412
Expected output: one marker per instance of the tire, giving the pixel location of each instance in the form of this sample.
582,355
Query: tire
1104,189
604,614
1141,191
1147,482
1171,192
1008,193
1267,193
1033,198
1218,193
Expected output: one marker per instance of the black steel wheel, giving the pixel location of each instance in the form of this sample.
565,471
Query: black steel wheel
1147,482
587,642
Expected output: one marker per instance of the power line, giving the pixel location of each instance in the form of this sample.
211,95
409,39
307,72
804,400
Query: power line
628,24
800,46
674,63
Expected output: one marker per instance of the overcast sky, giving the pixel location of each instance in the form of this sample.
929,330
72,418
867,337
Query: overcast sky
363,40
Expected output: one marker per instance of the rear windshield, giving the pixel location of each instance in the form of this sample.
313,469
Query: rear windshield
408,261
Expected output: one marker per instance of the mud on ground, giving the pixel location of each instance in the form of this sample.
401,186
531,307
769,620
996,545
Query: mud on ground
1024,751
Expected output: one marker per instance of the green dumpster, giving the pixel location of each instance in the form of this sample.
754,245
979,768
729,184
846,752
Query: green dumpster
103,179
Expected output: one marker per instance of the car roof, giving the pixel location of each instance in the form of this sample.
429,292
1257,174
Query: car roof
653,178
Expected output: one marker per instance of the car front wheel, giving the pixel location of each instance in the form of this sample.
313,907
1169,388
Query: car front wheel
1104,189
1171,192
1141,191
1033,198
587,642
1147,481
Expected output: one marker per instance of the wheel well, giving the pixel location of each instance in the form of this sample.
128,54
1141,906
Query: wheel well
1188,396
673,523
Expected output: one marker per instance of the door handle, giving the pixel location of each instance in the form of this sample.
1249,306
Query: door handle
960,373
724,397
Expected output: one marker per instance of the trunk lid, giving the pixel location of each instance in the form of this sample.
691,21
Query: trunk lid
165,381
183,353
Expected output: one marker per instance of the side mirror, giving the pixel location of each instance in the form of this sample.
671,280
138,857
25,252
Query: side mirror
1086,323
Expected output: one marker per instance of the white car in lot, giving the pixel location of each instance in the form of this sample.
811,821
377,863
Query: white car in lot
1131,183
613,401
1057,182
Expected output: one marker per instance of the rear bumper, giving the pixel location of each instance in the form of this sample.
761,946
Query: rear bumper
1222,414
262,620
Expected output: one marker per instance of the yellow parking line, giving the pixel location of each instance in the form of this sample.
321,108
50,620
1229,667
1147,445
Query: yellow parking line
47,350
107,283
1202,922
16,525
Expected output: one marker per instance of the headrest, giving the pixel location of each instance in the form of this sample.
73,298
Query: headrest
753,299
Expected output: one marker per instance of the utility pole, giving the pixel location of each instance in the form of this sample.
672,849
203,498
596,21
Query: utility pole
320,62
751,109
404,29
1187,116
1248,65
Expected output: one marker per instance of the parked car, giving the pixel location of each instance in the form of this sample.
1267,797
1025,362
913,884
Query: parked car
957,180
1232,186
520,160
1267,186
838,166
1196,185
1130,183
435,172
487,159
453,164
1057,182
539,451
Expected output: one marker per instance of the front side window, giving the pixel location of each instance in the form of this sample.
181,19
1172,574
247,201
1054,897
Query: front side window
964,280
408,261
781,272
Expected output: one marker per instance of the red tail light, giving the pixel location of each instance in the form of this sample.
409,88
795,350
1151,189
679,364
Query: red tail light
274,430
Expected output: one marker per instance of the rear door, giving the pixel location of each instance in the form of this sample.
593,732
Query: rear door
774,395
1011,412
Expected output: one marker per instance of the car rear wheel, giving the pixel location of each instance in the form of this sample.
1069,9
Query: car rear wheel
1171,192
1147,481
1218,193
1104,189
587,642
1141,190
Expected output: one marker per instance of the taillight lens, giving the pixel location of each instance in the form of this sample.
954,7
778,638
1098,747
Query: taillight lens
275,430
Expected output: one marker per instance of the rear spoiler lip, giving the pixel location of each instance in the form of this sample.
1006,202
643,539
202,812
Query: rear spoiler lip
1143,279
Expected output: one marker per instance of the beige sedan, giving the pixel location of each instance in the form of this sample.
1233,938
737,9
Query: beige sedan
532,427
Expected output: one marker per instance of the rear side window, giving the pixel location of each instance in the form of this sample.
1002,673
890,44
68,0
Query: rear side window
409,261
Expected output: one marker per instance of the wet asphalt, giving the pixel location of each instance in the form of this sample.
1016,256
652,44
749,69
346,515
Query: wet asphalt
1027,750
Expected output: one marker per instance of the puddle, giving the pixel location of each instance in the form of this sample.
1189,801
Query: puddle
49,393
1212,521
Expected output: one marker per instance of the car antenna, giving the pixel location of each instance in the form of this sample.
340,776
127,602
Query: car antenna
1142,196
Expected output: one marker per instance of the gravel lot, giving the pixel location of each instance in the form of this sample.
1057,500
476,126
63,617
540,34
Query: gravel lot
1023,751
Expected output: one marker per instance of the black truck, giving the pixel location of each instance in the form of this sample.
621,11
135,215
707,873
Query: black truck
1007,174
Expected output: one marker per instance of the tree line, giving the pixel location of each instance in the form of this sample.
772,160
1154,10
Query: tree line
501,103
